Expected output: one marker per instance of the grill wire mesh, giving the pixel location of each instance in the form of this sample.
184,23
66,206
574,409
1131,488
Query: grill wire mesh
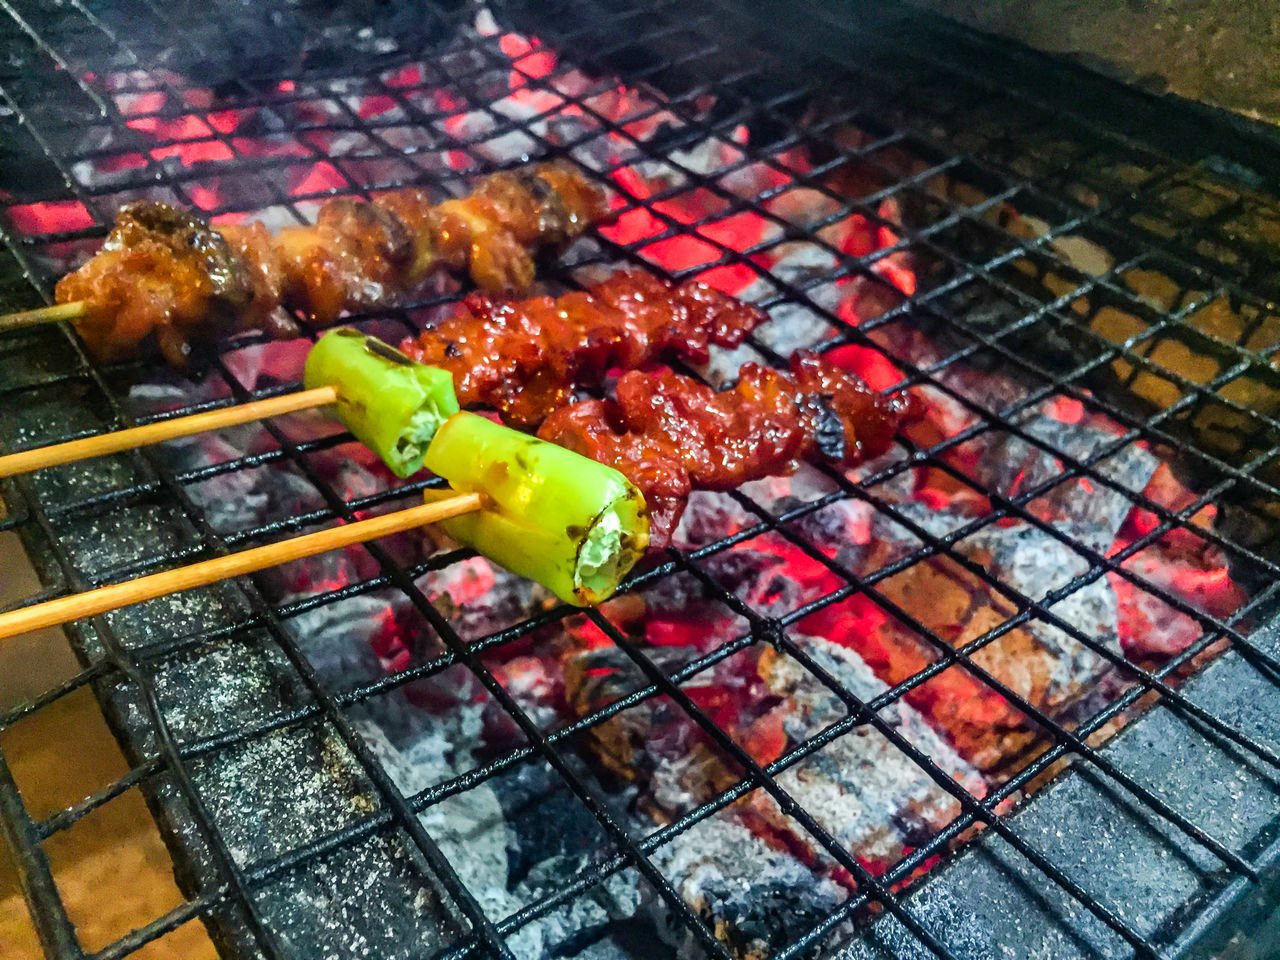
993,148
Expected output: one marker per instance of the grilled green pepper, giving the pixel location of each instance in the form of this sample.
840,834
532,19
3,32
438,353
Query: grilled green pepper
573,525
391,403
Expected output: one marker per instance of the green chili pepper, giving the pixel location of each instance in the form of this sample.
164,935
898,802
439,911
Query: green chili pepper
392,404
571,524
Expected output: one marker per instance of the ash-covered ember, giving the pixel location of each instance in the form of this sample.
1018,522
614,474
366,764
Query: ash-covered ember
753,895
861,788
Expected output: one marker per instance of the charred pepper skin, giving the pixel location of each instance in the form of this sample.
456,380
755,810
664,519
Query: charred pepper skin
569,523
392,404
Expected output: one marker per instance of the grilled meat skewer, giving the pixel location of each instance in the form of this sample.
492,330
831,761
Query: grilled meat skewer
667,433
670,434
170,273
526,358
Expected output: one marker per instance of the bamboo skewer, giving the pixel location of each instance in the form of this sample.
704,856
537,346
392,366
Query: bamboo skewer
117,595
30,318
87,447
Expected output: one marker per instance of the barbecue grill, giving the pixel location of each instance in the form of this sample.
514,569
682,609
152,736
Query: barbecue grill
373,754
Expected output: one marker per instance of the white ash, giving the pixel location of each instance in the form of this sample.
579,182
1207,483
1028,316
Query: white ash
470,828
862,788
472,832
479,598
478,129
602,950
704,158
777,494
708,517
242,499
841,529
168,392
416,141
896,537
987,389
1034,563
485,25
1098,513
335,636
592,914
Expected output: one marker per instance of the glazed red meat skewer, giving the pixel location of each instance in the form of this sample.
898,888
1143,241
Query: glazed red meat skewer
527,358
670,434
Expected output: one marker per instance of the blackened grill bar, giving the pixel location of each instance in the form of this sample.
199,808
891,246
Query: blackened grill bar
770,740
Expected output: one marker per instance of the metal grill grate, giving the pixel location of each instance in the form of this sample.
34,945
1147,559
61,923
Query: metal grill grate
956,152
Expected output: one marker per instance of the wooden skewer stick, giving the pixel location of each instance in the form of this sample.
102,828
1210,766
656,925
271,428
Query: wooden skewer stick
30,318
87,447
117,595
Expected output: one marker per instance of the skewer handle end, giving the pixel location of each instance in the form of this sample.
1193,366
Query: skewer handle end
50,314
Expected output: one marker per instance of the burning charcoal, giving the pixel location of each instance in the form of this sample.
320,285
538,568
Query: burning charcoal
681,591
1010,464
990,389
775,590
841,528
748,572
655,743
870,795
511,840
867,793
1098,512
708,517
244,499
552,835
536,684
755,897
478,598
1034,563
336,638
893,540
792,326
864,790
1038,661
